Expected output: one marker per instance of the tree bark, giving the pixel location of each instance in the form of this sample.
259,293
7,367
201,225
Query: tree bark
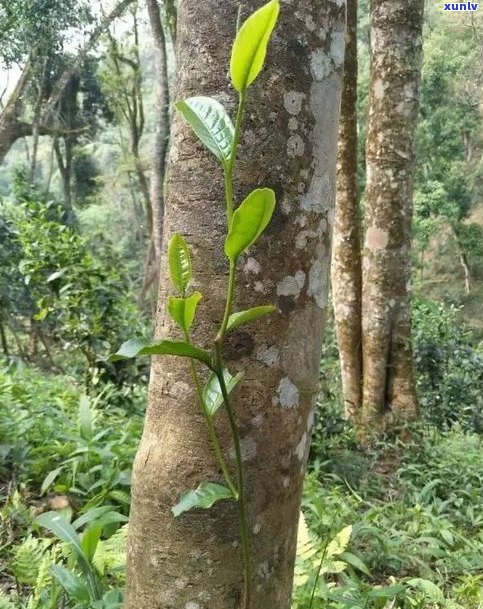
161,137
346,252
396,50
288,143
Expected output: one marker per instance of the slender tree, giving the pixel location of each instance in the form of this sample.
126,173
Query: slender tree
372,291
396,54
289,143
346,253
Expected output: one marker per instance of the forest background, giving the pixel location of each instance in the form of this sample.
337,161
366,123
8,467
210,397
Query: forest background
397,525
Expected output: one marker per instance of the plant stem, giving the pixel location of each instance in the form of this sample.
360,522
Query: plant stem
230,166
211,428
245,539
212,433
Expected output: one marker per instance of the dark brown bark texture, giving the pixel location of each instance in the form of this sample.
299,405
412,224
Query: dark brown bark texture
396,45
346,252
288,143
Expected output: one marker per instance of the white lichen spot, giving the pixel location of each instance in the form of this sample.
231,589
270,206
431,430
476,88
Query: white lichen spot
288,394
259,287
268,355
264,571
204,596
300,278
301,446
392,303
378,88
248,448
310,23
252,266
180,390
318,284
320,65
318,199
293,102
192,605
154,561
289,286
257,528
311,419
376,238
181,582
286,481
295,146
293,123
337,48
257,421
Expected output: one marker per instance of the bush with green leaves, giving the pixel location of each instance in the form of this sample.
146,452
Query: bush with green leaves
53,438
415,512
57,288
449,368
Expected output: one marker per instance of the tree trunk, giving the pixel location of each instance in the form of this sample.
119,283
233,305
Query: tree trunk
162,125
288,143
396,44
346,253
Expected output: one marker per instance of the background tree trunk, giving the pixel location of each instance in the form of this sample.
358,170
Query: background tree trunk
289,144
346,253
396,45
162,124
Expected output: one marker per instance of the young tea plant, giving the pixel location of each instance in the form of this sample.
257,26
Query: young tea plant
213,126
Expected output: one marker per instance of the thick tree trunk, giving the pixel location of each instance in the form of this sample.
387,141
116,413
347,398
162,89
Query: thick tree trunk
346,253
162,125
289,143
396,43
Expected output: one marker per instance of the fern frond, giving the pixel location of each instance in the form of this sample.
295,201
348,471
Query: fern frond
313,556
111,553
27,558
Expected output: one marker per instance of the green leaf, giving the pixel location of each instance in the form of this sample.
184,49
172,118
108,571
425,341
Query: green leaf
250,46
49,479
355,561
204,497
249,221
74,586
428,588
243,317
86,418
90,540
134,347
183,310
212,396
179,263
211,123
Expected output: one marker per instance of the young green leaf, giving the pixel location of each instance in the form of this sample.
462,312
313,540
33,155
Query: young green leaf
179,263
250,46
183,310
212,396
249,221
243,317
211,123
204,497
135,347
